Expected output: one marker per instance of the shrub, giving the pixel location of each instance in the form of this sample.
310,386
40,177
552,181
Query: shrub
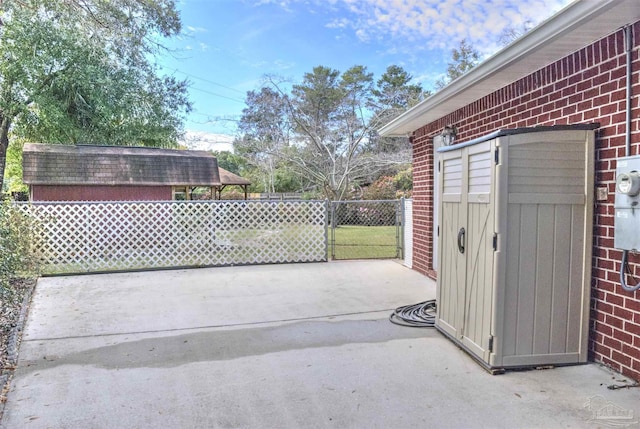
17,247
232,194
404,183
382,189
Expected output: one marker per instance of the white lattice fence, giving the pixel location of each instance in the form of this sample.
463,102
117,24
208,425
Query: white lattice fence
109,236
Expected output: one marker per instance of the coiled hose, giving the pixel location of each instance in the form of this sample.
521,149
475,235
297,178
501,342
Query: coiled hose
624,266
421,315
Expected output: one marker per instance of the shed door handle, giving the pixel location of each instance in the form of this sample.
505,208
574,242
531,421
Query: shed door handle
461,240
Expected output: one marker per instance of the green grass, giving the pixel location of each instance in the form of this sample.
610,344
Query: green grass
365,242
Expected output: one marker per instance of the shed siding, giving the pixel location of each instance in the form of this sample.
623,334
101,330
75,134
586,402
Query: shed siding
100,193
587,86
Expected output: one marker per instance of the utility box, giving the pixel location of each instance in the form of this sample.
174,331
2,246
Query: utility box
627,204
515,227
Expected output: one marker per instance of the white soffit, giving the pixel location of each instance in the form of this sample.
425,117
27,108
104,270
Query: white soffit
574,27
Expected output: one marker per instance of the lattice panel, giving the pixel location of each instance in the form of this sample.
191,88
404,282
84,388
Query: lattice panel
110,236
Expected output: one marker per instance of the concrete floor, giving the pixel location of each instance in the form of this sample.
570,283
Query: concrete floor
286,346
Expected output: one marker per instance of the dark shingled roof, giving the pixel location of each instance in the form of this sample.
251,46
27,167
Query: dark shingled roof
117,165
228,178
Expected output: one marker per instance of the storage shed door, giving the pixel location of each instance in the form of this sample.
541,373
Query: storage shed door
547,253
452,270
480,227
465,276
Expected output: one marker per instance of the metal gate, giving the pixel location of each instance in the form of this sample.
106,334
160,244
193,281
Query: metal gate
370,229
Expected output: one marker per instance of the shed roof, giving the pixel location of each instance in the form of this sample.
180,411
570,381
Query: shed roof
45,164
574,27
228,178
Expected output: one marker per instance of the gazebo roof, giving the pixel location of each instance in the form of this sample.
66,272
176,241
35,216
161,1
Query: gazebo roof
228,178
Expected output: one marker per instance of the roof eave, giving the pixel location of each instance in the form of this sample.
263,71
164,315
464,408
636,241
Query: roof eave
543,45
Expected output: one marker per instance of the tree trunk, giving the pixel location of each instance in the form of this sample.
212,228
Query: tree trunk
5,123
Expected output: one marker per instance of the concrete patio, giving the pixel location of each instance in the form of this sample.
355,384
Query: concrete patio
286,346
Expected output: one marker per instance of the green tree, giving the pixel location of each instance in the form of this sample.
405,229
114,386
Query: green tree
463,58
13,172
330,117
327,135
265,132
394,94
231,162
81,71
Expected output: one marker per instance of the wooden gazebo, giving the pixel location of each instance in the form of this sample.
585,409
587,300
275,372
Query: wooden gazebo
227,178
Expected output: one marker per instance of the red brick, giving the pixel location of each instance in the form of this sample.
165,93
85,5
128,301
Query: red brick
601,349
623,336
623,313
633,374
632,304
612,343
632,327
614,299
605,330
612,364
631,351
621,358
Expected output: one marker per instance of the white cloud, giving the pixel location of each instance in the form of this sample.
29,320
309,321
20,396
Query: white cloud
200,140
433,23
192,29
283,65
361,34
338,23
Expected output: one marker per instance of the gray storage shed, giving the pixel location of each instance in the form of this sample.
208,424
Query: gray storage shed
515,254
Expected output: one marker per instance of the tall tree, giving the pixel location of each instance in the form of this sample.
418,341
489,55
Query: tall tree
329,113
393,94
265,132
463,58
331,118
81,71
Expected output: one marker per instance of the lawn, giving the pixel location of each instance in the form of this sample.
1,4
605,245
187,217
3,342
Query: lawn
365,242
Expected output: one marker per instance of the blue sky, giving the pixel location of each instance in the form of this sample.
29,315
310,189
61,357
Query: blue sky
228,46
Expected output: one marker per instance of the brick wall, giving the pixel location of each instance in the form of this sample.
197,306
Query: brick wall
422,205
587,86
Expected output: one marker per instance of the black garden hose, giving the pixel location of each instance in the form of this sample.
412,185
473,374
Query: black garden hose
421,315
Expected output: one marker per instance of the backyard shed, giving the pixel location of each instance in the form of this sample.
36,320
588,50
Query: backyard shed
115,173
581,66
514,270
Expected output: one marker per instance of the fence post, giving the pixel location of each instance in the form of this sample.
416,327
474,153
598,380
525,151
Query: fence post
326,228
401,232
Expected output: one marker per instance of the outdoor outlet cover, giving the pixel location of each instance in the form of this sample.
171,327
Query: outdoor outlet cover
602,193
